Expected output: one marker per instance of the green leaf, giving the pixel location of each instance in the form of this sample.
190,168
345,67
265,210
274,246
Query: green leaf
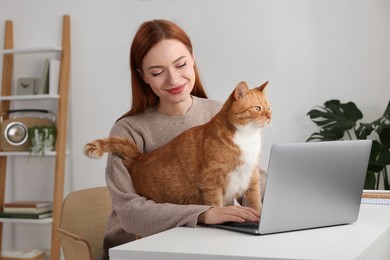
384,137
387,111
370,181
327,135
336,115
379,157
364,130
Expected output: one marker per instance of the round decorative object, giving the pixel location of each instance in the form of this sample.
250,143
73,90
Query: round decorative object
16,133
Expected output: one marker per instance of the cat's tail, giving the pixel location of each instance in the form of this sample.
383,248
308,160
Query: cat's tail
116,145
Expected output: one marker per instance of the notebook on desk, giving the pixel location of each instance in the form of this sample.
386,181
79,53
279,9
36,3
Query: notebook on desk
311,185
376,197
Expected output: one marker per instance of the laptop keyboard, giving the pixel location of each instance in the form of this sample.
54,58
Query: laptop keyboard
252,225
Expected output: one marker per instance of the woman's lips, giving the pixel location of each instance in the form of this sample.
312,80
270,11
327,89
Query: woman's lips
176,90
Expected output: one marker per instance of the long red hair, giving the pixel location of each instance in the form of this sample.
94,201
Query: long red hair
148,35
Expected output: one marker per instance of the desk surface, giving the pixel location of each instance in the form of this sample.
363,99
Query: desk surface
367,238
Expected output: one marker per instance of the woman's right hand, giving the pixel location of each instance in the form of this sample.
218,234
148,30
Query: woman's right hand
218,215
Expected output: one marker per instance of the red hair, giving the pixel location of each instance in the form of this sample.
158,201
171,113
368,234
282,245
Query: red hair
148,35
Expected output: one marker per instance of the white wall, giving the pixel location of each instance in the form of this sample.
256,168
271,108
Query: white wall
310,51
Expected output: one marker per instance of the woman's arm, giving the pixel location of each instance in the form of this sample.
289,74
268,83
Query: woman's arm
140,216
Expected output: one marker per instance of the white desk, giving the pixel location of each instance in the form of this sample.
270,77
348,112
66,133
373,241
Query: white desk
368,238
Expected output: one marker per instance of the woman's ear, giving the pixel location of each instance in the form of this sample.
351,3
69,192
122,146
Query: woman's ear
141,75
193,56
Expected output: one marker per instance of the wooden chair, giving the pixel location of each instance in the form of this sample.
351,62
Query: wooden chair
83,222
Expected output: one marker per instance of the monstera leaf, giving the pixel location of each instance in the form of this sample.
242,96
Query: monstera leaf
364,130
380,153
381,126
334,119
384,137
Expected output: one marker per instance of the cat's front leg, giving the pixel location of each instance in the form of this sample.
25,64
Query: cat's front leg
213,197
252,196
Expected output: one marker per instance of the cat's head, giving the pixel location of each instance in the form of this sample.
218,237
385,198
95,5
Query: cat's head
249,107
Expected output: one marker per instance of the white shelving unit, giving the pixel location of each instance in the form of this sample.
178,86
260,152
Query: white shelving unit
61,100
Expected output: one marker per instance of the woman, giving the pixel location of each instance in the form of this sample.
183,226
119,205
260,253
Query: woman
167,98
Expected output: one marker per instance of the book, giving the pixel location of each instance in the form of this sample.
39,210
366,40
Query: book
376,197
26,210
43,87
26,215
54,76
374,201
27,204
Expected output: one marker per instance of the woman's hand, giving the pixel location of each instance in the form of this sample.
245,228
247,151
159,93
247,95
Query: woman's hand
220,215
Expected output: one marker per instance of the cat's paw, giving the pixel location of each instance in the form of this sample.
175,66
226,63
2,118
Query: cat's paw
92,151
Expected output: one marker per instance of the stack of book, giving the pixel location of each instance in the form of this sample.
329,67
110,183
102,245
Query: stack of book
27,209
376,197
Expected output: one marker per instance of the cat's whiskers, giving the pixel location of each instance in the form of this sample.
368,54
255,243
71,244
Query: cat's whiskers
272,126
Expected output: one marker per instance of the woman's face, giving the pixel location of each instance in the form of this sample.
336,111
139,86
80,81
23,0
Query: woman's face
168,68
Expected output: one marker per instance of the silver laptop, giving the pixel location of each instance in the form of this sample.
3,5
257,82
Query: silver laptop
311,185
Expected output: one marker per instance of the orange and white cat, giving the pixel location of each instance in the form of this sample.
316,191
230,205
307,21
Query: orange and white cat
213,164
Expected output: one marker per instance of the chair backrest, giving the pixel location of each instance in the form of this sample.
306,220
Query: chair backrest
74,247
83,222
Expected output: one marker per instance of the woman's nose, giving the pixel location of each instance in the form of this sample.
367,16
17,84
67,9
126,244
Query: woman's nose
173,77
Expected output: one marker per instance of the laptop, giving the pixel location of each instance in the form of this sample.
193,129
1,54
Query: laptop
311,185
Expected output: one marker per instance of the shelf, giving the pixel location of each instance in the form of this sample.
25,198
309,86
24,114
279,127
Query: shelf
27,221
60,100
26,153
31,50
30,97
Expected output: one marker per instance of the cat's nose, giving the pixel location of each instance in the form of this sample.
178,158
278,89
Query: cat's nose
268,115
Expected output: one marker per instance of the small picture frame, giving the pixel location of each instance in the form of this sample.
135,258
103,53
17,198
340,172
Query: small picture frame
26,86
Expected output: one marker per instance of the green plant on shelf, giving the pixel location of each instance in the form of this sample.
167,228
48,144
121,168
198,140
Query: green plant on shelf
42,139
337,121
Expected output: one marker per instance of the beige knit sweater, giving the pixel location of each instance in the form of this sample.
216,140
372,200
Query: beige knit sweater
135,215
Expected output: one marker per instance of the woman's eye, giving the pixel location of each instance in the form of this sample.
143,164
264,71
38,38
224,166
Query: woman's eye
182,65
257,108
155,74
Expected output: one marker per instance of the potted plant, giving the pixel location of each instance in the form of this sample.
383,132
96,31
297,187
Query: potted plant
42,139
337,121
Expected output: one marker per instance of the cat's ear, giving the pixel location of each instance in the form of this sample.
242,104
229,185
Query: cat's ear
263,87
241,90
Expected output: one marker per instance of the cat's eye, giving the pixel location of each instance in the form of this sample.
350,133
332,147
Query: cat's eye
257,108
